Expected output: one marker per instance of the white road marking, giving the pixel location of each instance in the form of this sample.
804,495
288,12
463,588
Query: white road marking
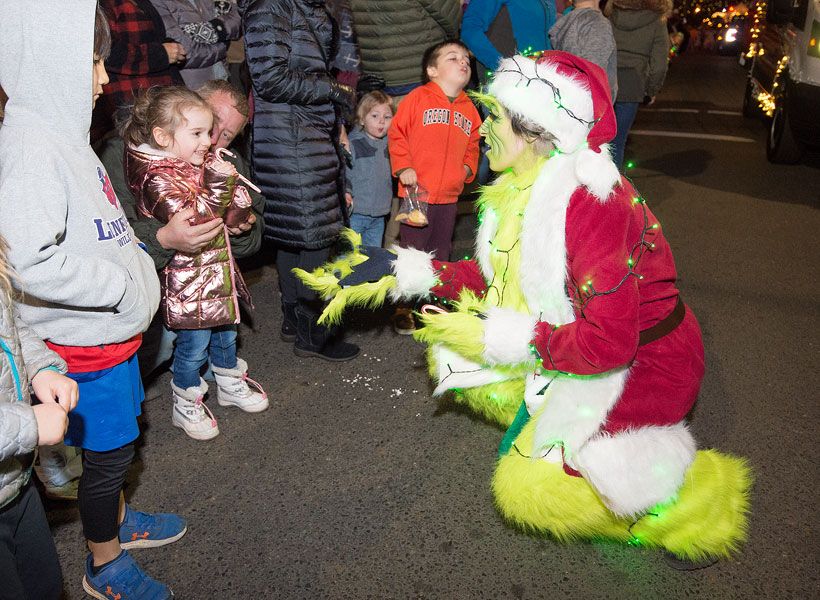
733,113
680,110
697,136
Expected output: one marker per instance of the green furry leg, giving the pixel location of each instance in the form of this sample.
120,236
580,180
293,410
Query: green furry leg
707,519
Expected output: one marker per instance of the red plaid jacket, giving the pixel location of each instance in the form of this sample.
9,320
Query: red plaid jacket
138,60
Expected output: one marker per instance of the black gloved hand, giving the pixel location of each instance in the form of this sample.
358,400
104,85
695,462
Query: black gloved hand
378,264
370,82
342,95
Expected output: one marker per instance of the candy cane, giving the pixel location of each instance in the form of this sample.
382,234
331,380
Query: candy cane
220,151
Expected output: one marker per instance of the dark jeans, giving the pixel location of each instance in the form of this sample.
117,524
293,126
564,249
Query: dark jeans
29,568
625,113
193,348
292,289
99,492
437,236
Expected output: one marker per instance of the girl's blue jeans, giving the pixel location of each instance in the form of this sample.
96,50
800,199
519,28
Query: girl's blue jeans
193,348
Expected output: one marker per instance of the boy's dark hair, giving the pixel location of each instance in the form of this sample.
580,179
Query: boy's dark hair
102,35
432,53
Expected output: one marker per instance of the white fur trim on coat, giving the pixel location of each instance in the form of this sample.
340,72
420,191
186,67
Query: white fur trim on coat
507,336
519,87
414,273
632,471
575,408
455,371
597,172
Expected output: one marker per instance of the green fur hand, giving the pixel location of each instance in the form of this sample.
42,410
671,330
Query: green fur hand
461,330
327,281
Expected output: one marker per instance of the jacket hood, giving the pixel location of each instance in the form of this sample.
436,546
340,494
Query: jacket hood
632,19
663,7
46,65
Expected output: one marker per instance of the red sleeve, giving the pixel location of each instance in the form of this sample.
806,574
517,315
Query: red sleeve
398,136
605,332
471,156
456,276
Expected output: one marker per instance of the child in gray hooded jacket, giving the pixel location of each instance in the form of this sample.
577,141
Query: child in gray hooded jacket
584,31
87,287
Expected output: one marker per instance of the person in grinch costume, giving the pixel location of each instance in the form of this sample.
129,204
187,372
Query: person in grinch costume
567,329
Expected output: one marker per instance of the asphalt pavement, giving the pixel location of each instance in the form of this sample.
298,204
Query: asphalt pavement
356,483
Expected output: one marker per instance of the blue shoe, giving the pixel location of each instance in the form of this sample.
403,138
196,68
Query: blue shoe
144,530
122,579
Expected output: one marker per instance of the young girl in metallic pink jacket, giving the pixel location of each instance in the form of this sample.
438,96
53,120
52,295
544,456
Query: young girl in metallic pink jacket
169,168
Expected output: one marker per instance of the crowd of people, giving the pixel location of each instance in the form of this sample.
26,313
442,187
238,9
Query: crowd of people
146,145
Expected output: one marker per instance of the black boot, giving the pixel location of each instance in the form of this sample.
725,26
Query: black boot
319,341
288,333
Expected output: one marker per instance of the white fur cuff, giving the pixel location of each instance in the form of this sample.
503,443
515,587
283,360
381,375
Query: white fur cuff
414,273
507,336
632,471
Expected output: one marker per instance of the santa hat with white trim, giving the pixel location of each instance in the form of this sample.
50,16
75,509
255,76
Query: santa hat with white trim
569,97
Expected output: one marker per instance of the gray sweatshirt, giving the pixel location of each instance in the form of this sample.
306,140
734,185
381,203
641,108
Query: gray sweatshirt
84,278
370,180
587,33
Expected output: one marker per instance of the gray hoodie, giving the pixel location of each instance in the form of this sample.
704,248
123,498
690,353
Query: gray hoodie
85,279
643,52
587,33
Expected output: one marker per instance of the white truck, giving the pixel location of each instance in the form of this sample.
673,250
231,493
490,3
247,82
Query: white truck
784,76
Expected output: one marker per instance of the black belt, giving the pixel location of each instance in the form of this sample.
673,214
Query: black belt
665,326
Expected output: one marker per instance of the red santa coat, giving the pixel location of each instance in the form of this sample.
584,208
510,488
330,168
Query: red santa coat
597,270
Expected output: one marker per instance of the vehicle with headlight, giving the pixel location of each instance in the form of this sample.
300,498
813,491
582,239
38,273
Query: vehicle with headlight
784,77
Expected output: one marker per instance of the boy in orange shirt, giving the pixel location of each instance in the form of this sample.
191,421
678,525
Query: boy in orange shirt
433,143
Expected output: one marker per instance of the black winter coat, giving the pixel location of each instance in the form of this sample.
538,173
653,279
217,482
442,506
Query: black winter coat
289,45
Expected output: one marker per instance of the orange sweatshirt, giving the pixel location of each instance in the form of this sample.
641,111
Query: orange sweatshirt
436,138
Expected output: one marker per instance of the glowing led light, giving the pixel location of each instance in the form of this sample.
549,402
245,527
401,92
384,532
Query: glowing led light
630,165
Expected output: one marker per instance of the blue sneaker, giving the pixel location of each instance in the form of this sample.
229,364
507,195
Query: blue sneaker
122,579
144,530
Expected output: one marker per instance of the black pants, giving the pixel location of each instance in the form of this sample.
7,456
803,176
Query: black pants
293,290
29,568
99,493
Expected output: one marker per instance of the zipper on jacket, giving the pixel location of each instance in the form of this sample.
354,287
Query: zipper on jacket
14,371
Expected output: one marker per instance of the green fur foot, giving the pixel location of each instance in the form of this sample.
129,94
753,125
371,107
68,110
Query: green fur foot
709,518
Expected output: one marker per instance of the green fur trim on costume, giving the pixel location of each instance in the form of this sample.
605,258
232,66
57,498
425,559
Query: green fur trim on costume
325,281
707,519
366,295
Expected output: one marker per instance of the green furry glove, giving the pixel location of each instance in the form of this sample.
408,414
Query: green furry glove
461,330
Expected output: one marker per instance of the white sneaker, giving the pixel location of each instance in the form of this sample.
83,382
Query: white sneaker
191,415
232,388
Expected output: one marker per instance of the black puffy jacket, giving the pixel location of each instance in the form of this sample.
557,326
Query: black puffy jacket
289,45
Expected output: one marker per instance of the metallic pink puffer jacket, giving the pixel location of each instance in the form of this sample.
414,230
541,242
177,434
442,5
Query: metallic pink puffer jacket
201,290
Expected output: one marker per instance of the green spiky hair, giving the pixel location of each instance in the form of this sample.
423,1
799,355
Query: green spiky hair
485,99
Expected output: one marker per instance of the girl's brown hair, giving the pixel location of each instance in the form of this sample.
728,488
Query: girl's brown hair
102,35
370,101
161,107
